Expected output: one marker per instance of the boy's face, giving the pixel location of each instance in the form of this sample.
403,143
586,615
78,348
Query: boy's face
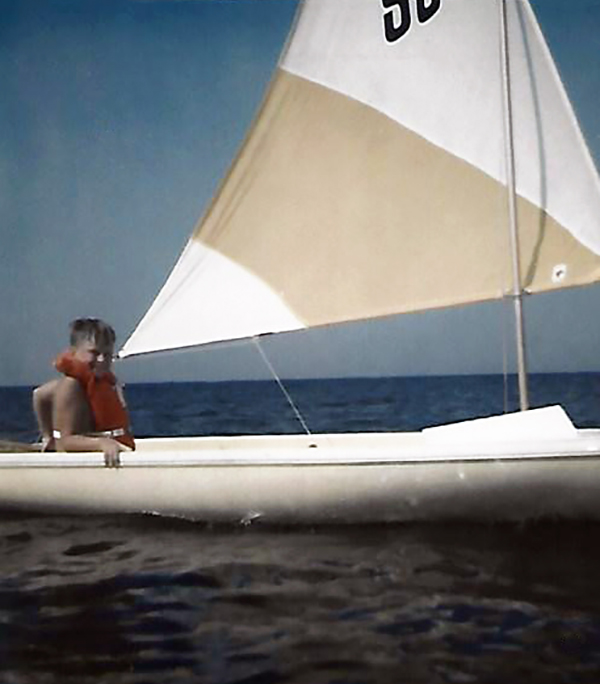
99,356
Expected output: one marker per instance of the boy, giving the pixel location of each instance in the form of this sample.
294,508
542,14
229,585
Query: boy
85,409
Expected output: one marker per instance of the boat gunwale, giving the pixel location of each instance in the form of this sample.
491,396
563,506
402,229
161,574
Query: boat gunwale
474,452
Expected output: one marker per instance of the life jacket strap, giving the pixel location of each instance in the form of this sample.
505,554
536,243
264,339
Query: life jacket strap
119,432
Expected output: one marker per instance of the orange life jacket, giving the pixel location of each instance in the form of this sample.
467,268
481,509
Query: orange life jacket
105,398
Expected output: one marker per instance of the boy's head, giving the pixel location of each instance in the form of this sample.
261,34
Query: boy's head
91,329
93,341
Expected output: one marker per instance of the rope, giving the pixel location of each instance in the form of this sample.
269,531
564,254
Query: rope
504,354
286,394
505,303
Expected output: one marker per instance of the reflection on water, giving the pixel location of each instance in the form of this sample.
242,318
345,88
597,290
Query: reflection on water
150,600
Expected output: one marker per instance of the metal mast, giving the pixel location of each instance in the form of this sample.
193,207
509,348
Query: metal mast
517,292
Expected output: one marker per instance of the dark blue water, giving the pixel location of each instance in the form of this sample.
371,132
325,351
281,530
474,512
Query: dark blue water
139,600
341,405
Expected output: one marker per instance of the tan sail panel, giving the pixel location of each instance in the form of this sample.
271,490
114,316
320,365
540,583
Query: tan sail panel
390,223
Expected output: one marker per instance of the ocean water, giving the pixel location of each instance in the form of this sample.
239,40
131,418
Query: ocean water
138,600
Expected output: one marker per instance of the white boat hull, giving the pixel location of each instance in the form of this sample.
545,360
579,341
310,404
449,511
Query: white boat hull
389,477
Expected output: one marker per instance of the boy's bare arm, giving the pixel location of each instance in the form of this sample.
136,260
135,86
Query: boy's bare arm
72,418
43,400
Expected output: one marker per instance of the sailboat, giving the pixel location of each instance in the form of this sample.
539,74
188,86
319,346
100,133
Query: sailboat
408,155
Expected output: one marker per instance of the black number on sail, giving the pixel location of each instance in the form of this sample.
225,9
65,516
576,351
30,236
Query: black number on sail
426,10
393,30
398,20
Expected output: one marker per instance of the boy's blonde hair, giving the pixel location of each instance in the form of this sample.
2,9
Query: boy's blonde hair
83,329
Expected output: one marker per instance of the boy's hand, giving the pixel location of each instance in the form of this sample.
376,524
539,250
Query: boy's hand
111,449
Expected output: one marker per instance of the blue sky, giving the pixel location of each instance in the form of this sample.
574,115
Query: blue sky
119,117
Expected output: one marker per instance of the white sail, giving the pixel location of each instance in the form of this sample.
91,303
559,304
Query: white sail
373,180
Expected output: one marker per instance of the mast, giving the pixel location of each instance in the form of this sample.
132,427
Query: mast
517,292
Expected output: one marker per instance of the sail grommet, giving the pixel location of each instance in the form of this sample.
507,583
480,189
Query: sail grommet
559,273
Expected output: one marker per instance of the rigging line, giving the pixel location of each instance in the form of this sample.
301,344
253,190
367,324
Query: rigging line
505,302
504,354
504,320
286,394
